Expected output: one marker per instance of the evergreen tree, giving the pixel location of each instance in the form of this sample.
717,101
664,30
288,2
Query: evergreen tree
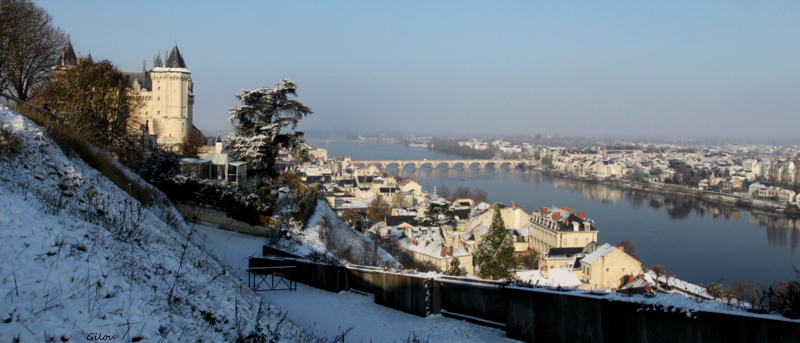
495,253
265,123
455,267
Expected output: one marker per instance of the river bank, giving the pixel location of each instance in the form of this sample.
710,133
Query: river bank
764,207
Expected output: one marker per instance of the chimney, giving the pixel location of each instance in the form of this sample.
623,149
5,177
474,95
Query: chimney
451,250
444,251
556,215
580,215
544,211
621,248
572,211
144,66
563,208
414,242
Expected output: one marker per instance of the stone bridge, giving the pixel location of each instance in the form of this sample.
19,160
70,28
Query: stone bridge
383,164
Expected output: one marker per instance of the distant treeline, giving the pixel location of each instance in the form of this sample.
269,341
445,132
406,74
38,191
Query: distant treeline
451,146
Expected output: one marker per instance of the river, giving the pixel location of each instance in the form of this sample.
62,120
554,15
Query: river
694,240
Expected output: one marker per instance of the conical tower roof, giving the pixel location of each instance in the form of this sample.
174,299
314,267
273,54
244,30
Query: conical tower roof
175,59
68,57
157,63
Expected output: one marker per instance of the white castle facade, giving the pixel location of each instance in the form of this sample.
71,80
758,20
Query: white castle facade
166,92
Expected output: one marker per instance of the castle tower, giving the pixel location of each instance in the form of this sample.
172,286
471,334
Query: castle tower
171,100
164,94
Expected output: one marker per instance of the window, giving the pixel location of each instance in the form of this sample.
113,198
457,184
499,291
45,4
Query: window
576,241
565,242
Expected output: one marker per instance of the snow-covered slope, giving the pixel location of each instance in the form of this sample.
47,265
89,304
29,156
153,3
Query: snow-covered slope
82,260
326,232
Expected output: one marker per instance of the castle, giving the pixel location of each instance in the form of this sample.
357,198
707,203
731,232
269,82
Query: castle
165,92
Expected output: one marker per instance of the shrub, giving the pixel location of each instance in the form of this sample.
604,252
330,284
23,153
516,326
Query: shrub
715,290
784,297
10,142
159,168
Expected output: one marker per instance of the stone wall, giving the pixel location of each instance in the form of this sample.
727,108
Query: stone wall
219,219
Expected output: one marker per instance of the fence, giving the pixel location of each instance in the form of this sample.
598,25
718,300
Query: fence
534,314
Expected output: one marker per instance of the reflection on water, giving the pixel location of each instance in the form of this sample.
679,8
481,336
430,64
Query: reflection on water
696,240
780,231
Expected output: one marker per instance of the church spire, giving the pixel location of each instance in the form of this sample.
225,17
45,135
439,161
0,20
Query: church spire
175,59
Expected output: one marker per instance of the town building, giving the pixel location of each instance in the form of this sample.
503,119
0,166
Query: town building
560,227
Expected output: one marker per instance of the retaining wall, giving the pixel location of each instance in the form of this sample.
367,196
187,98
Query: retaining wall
539,315
220,218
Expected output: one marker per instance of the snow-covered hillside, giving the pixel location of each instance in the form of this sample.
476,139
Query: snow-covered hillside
326,234
82,260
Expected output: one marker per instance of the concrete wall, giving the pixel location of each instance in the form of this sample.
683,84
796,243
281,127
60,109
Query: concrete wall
402,292
539,315
548,316
219,218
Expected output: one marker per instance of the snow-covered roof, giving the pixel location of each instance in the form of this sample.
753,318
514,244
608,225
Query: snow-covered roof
601,251
682,285
432,249
177,70
193,160
555,277
480,229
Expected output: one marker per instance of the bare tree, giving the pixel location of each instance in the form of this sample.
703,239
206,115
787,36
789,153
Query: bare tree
378,209
628,248
191,144
462,193
480,195
29,47
443,191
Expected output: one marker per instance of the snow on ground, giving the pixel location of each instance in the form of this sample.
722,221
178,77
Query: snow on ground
313,238
327,314
81,260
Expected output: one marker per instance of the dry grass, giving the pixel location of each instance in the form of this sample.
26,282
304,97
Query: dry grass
93,156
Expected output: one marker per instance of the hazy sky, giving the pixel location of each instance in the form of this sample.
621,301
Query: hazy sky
719,69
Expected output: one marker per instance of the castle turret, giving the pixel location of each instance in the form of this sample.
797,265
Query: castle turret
172,100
